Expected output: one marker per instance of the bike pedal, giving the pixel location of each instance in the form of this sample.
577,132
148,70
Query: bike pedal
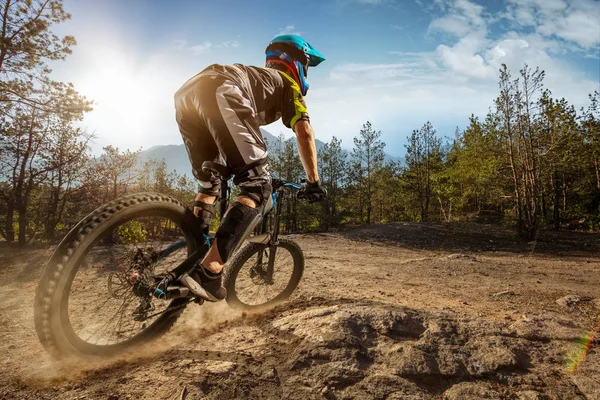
199,300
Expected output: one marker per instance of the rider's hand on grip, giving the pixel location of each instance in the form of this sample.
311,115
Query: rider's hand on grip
313,191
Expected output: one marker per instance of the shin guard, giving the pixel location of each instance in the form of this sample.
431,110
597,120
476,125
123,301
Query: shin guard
237,224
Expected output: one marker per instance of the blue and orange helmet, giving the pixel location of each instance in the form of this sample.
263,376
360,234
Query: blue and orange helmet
296,54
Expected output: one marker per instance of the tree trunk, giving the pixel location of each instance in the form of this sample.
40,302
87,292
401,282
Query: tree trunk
10,222
564,193
556,201
597,169
22,210
52,220
442,209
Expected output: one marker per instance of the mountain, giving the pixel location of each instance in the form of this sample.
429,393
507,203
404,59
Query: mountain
270,138
177,159
176,156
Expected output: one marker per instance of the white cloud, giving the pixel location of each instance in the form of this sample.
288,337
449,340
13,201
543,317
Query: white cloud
289,30
372,2
451,24
525,16
463,17
577,21
459,78
180,44
472,11
199,48
477,56
445,85
465,58
230,43
579,27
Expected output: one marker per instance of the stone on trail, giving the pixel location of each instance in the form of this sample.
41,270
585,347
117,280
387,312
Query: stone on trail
530,395
471,391
571,300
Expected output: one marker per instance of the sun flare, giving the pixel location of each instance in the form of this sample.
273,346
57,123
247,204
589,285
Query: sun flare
125,91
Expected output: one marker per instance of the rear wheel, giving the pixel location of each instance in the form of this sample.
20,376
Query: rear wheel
95,295
249,286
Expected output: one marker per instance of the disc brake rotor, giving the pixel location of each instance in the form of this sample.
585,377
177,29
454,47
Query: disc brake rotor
258,274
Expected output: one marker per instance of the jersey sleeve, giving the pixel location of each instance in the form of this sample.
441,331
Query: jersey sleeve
294,107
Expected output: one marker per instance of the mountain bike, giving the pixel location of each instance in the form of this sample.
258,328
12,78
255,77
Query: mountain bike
103,289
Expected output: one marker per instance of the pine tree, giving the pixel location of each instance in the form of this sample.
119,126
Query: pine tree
423,160
367,159
332,164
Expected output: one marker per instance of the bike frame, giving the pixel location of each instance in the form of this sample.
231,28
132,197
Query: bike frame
271,238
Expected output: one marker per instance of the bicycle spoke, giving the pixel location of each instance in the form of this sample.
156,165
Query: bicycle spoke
253,286
110,291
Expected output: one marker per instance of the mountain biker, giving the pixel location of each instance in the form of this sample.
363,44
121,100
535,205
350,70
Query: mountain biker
219,112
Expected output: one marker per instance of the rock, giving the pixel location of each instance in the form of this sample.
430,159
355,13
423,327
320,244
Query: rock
328,393
471,390
384,386
530,395
222,368
270,375
491,354
588,386
462,256
569,300
543,329
502,293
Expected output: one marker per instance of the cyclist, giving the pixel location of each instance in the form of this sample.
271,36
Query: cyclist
219,112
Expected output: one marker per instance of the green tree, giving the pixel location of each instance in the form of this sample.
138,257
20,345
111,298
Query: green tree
473,167
423,160
111,174
26,44
590,126
285,164
65,159
28,135
366,160
31,104
332,165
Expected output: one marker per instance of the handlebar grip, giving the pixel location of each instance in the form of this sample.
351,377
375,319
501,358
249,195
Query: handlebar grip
276,183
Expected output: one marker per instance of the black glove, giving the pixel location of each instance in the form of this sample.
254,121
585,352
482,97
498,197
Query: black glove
313,192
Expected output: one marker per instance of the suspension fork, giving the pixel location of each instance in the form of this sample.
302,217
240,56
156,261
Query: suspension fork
274,236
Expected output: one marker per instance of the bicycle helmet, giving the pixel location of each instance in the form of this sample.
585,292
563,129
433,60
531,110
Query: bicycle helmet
296,55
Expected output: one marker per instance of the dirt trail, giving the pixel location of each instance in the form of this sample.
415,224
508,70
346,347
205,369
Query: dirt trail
400,311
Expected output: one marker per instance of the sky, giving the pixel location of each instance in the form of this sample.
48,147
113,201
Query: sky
395,63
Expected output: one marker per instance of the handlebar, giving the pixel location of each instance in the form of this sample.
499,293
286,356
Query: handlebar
277,183
300,194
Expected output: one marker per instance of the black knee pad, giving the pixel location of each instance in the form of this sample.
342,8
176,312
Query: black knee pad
237,224
257,193
211,187
206,215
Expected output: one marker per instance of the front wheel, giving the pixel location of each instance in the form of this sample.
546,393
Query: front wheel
253,285
94,297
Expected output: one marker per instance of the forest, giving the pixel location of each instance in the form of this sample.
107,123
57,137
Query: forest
532,163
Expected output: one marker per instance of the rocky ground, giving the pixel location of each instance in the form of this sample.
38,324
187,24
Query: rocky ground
400,311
